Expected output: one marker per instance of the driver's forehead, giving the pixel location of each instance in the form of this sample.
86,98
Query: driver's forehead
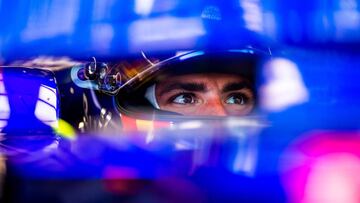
204,78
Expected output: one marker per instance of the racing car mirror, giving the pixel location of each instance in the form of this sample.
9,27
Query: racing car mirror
29,102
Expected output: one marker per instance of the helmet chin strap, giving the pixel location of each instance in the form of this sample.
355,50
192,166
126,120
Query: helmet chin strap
150,96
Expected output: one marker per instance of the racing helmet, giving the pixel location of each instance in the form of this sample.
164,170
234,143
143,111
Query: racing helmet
136,99
151,126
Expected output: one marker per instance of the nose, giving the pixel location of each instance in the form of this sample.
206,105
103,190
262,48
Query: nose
215,108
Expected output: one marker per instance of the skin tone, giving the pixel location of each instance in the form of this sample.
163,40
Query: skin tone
206,95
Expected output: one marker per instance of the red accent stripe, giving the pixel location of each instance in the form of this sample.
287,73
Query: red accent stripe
128,123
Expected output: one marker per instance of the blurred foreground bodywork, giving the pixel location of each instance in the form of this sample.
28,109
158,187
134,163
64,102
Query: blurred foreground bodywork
64,140
177,165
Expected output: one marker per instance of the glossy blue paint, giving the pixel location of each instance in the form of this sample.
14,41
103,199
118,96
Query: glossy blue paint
83,29
33,101
321,38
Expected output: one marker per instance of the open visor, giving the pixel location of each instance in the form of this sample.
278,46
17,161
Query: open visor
136,97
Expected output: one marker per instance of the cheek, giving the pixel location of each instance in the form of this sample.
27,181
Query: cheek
186,110
235,110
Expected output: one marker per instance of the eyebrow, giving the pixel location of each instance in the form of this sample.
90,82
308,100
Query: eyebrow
192,86
235,86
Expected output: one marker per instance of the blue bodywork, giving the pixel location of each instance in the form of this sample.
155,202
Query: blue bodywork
318,38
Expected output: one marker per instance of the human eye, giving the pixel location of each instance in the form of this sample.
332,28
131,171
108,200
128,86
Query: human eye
183,99
237,98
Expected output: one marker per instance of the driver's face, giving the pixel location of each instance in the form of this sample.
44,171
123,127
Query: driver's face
205,95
